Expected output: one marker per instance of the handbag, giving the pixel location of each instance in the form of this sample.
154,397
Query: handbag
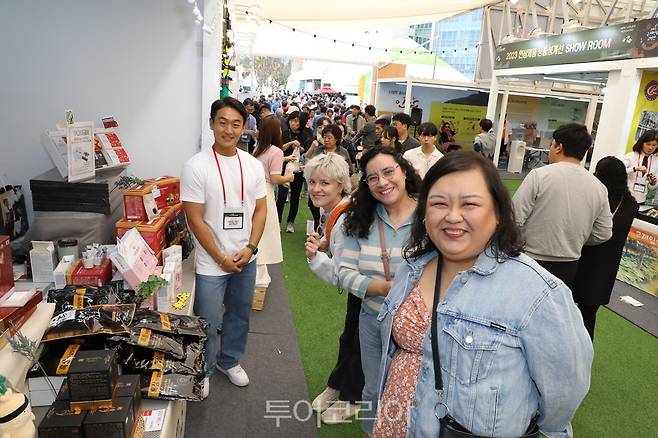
448,426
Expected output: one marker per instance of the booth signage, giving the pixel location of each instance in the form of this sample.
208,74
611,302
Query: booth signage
638,39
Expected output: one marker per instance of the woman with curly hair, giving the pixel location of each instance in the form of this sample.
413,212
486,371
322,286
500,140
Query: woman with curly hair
377,226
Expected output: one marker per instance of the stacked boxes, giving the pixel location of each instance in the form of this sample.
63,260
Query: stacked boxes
95,401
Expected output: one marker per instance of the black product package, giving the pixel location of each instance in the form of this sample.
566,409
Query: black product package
111,422
170,323
109,319
62,422
56,356
93,375
79,297
129,386
139,359
147,338
172,386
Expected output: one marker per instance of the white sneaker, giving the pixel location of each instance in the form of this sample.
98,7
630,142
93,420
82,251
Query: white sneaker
236,375
325,399
290,228
206,387
339,412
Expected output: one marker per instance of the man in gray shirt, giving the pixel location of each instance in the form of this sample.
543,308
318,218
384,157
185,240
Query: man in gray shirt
562,207
401,122
368,134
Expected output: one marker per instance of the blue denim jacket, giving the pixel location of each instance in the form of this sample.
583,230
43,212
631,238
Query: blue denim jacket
512,344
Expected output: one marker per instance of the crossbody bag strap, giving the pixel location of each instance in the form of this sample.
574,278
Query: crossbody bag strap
385,256
438,379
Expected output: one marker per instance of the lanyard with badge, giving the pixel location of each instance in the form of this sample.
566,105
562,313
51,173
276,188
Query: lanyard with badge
233,218
641,187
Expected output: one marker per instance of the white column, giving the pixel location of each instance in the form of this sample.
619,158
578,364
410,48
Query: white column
499,127
407,97
589,123
211,70
493,98
616,114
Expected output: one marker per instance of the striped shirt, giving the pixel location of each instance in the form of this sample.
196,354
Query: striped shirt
361,261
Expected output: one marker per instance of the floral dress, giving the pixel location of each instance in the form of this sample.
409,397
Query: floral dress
409,327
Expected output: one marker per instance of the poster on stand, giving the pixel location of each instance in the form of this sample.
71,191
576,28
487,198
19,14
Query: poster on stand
463,119
639,260
645,116
80,144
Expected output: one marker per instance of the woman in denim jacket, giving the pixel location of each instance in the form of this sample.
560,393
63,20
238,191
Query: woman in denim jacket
512,344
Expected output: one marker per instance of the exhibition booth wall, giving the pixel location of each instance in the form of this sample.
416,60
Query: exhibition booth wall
123,59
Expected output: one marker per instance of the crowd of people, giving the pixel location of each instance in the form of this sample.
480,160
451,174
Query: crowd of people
468,311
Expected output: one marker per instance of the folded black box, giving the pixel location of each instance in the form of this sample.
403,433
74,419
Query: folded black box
62,422
128,386
114,422
92,375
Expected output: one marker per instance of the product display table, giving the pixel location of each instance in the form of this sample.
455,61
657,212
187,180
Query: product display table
13,365
174,421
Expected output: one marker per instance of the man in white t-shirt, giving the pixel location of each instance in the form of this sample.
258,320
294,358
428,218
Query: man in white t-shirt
426,155
224,197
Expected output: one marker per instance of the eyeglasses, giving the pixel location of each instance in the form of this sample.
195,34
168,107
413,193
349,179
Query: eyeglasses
388,173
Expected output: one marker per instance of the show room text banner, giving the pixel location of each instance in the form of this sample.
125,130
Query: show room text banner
638,39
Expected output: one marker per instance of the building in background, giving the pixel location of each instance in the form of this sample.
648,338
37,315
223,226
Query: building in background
454,40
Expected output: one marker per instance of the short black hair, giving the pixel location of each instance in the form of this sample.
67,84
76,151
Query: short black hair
574,138
507,240
323,109
486,125
248,101
648,136
428,128
334,130
370,110
229,102
266,106
403,118
383,121
357,107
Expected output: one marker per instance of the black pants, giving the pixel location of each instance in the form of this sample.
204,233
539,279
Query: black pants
295,192
347,375
315,211
589,317
565,271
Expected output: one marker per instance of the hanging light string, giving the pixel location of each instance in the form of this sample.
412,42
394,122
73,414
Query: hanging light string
199,18
357,45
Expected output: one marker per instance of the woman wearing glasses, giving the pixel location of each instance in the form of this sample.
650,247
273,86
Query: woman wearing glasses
377,226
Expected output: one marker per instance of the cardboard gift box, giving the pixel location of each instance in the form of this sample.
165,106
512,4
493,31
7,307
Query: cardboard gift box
168,189
94,276
10,316
43,260
136,200
93,375
6,266
62,422
153,232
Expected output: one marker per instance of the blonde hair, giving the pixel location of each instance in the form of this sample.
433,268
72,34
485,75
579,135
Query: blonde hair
333,166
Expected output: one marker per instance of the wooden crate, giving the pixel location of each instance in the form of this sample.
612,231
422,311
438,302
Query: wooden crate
259,298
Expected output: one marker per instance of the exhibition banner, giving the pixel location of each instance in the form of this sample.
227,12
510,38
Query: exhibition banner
638,39
463,119
639,261
645,116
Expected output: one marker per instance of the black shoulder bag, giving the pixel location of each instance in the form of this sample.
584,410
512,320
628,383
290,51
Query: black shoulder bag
449,427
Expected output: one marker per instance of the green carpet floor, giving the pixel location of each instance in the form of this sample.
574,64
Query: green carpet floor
620,403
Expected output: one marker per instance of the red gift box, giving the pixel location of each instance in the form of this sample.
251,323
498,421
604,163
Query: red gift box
133,202
153,231
94,276
10,317
6,266
169,187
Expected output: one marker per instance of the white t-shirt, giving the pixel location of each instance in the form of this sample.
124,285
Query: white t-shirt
200,183
420,161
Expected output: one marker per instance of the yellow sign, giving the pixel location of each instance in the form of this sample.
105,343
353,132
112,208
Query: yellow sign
645,116
463,119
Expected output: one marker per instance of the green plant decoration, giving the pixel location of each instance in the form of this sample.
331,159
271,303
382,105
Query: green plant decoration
3,385
126,182
150,286
27,348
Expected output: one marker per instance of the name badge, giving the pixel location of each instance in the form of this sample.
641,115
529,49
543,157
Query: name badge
233,218
640,188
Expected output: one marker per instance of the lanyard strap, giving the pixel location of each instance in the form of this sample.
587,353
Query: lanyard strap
438,379
385,256
221,177
649,163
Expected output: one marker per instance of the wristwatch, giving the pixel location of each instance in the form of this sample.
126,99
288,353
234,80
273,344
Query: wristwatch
253,248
